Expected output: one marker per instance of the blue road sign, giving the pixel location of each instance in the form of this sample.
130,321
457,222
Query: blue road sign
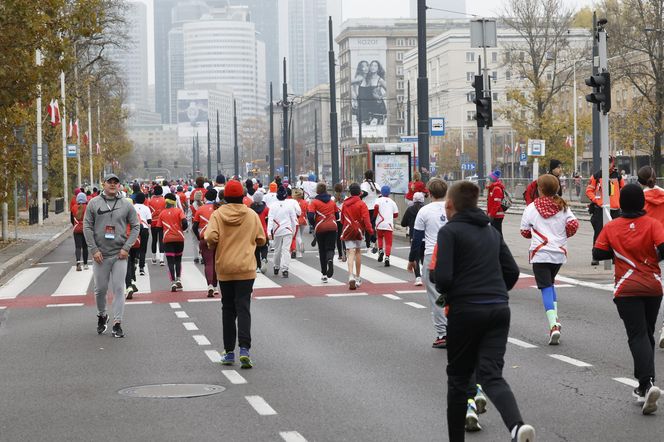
71,151
468,166
437,126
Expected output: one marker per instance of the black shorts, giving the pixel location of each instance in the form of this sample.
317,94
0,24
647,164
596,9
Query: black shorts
545,273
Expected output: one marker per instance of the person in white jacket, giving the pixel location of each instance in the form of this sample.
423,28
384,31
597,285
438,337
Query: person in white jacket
548,222
281,223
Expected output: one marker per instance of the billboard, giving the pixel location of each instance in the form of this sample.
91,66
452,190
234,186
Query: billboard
192,113
368,86
392,169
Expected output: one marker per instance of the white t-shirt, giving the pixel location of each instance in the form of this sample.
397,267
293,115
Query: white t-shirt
385,214
430,219
145,214
309,189
372,194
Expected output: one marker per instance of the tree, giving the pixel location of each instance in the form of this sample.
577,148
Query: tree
636,28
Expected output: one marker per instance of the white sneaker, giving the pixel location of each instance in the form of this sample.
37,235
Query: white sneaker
661,339
418,281
264,266
86,267
358,281
651,398
472,421
523,433
161,263
210,291
323,278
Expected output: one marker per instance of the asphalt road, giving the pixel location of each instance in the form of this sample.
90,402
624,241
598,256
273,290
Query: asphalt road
329,368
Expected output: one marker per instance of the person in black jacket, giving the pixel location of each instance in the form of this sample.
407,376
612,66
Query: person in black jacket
408,220
474,271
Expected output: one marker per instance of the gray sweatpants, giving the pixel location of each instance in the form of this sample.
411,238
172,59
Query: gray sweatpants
282,251
437,314
112,270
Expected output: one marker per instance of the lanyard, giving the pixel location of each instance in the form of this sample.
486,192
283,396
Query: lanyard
109,207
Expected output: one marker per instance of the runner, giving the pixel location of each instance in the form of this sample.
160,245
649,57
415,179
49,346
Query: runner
548,222
322,214
173,222
77,215
262,211
408,220
199,224
356,224
298,242
635,243
145,216
386,211
369,194
495,193
132,260
339,200
157,204
282,219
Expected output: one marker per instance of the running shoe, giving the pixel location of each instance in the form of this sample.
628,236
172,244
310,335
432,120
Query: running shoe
216,291
245,359
78,267
141,272
330,268
480,400
117,331
554,335
129,293
85,267
196,260
380,255
358,282
276,271
154,260
284,274
264,265
210,291
228,358
102,323
387,261
161,263
374,249
352,284
174,287
523,433
313,242
661,339
594,263
178,283
472,421
202,260
639,395
323,278
133,286
293,254
651,397
418,281
344,258
440,342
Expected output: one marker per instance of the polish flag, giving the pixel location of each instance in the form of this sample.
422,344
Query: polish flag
569,141
85,138
98,148
76,132
71,129
54,113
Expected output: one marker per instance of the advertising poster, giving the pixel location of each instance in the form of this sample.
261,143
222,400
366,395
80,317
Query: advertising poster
192,113
392,169
368,86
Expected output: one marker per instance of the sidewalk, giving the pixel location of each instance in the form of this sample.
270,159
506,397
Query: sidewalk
34,241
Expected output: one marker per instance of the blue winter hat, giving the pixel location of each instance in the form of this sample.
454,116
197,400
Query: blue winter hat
385,190
81,198
312,177
495,176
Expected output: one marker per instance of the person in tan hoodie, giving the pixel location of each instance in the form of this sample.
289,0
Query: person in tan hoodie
235,230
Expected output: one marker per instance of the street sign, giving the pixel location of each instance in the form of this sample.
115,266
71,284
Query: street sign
437,126
71,151
523,159
468,166
536,148
408,139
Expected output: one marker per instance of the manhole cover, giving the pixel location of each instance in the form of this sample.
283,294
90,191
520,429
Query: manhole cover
169,391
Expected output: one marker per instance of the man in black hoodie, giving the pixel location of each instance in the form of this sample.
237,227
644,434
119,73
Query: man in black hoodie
474,270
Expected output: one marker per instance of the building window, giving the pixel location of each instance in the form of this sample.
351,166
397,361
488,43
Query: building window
399,98
399,55
470,76
494,57
549,76
471,97
412,41
508,75
494,75
470,115
495,96
401,131
402,115
400,42
400,84
470,56
399,70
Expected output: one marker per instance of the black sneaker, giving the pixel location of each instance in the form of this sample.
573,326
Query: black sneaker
133,287
313,243
523,433
141,272
594,263
284,273
276,271
102,323
380,255
117,331
196,260
374,249
330,268
387,261
293,255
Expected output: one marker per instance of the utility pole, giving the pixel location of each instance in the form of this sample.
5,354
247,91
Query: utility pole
236,149
78,138
40,172
209,152
334,135
316,143
408,128
198,154
271,136
193,157
284,104
99,138
63,122
218,146
90,137
359,121
422,91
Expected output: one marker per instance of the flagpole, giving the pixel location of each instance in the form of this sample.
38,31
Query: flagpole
40,172
63,122
99,137
76,128
90,136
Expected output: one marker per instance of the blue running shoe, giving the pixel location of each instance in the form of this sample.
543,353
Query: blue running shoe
228,358
245,359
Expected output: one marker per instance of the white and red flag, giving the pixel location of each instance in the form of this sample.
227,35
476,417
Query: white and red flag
86,138
54,113
569,142
98,148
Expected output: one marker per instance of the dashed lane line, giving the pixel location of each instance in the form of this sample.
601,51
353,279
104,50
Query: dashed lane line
346,295
182,315
201,340
392,297
414,304
292,436
73,304
138,302
569,360
520,343
213,355
407,292
260,405
175,305
276,297
628,381
234,377
190,326
203,300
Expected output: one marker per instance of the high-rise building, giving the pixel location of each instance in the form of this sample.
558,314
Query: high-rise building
307,44
162,25
441,9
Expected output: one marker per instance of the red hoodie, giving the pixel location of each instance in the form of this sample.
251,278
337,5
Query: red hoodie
416,186
355,219
493,207
655,203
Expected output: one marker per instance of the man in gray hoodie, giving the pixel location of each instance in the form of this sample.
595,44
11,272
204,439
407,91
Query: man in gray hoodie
110,227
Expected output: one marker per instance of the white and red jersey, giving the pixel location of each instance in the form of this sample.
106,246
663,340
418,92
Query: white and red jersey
202,217
282,218
548,228
385,210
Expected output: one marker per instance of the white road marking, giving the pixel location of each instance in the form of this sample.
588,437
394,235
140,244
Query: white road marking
558,286
138,302
628,381
54,262
292,436
143,282
180,314
263,282
405,292
275,297
192,279
524,275
73,304
520,343
393,297
234,377
414,304
572,361
20,282
74,283
398,262
260,405
213,355
3,307
175,305
592,285
203,300
190,326
309,274
344,295
201,340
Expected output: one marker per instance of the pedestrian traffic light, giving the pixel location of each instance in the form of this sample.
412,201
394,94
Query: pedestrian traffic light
483,107
601,95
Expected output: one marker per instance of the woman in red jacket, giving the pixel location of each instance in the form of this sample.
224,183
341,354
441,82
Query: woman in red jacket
356,224
417,185
635,242
77,215
173,222
494,208
323,214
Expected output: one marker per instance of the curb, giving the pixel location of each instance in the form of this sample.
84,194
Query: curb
34,252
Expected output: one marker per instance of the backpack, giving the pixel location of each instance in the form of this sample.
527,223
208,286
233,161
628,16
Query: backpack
506,202
530,193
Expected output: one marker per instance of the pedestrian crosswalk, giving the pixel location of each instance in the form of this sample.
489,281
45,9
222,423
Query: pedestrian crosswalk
74,283
20,282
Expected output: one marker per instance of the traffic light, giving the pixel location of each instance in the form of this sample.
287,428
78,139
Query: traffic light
601,95
483,106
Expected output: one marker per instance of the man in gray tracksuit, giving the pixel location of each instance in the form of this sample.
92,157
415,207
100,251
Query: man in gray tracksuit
105,230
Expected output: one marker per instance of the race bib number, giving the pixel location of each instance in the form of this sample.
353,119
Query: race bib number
109,232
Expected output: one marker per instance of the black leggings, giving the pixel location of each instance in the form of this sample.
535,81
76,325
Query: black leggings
341,245
81,246
368,239
235,306
173,252
157,235
260,253
326,242
145,236
131,266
